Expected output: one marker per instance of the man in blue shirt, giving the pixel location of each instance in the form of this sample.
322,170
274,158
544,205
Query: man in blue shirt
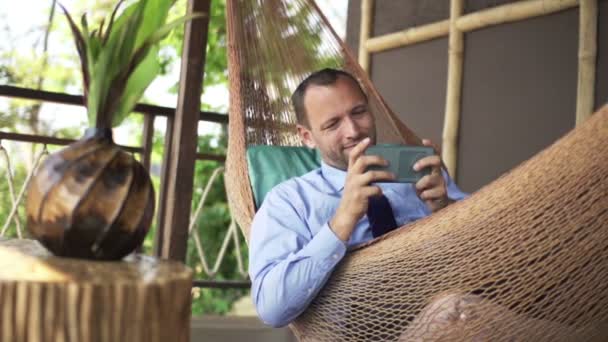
305,225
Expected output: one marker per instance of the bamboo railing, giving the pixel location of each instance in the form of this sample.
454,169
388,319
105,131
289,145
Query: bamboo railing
455,28
150,112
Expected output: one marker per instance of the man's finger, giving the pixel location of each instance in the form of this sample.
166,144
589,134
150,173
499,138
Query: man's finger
426,182
376,176
437,148
432,194
430,161
429,143
358,150
371,191
364,162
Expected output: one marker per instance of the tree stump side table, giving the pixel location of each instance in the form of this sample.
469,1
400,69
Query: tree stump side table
46,298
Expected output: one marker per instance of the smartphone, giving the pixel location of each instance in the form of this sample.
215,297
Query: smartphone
401,160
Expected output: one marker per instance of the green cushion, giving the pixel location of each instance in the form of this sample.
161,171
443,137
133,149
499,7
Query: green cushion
271,165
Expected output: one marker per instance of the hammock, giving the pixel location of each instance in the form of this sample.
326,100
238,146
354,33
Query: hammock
524,258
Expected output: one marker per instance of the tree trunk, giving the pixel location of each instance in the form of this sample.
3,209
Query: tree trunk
45,298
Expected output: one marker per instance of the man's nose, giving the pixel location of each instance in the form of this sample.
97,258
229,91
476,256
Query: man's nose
351,128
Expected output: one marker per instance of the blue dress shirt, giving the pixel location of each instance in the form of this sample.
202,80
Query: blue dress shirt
292,250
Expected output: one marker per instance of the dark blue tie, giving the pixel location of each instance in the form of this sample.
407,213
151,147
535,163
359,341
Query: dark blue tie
380,216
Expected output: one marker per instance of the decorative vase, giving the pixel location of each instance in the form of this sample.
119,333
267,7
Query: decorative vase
91,200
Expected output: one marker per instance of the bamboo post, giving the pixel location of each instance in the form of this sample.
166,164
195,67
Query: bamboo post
489,17
409,36
45,298
367,8
454,90
587,52
512,12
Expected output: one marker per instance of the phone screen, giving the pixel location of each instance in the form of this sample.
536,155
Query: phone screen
401,159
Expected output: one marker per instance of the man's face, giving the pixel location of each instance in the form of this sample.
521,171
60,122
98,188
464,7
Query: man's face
339,118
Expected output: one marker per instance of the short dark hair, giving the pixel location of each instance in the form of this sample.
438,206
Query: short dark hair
321,77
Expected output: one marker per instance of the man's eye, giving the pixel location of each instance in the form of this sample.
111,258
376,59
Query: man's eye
359,111
332,125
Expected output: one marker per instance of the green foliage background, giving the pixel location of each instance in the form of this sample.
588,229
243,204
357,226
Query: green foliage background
35,69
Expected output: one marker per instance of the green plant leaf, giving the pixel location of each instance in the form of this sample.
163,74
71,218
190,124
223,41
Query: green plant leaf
114,57
120,63
88,45
127,45
102,72
139,80
82,53
163,31
94,47
111,23
121,20
85,26
117,87
154,16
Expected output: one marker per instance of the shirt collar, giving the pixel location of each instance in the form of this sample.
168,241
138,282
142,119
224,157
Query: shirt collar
334,176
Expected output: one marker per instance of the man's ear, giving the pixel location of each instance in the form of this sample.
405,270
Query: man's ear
306,136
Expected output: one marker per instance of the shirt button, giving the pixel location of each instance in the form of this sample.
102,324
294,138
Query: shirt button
336,256
309,291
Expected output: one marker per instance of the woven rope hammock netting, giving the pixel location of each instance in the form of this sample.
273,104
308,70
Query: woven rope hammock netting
524,258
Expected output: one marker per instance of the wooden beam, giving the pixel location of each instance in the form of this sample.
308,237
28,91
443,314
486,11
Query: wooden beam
147,147
367,19
162,191
38,139
222,284
182,155
454,90
210,156
587,54
76,100
147,140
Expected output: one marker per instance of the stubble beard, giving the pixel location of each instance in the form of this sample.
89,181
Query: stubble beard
339,159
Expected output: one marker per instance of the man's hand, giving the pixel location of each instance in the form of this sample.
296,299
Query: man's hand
432,188
357,189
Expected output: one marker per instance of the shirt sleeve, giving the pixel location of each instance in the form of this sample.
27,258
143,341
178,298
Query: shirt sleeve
287,264
454,192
